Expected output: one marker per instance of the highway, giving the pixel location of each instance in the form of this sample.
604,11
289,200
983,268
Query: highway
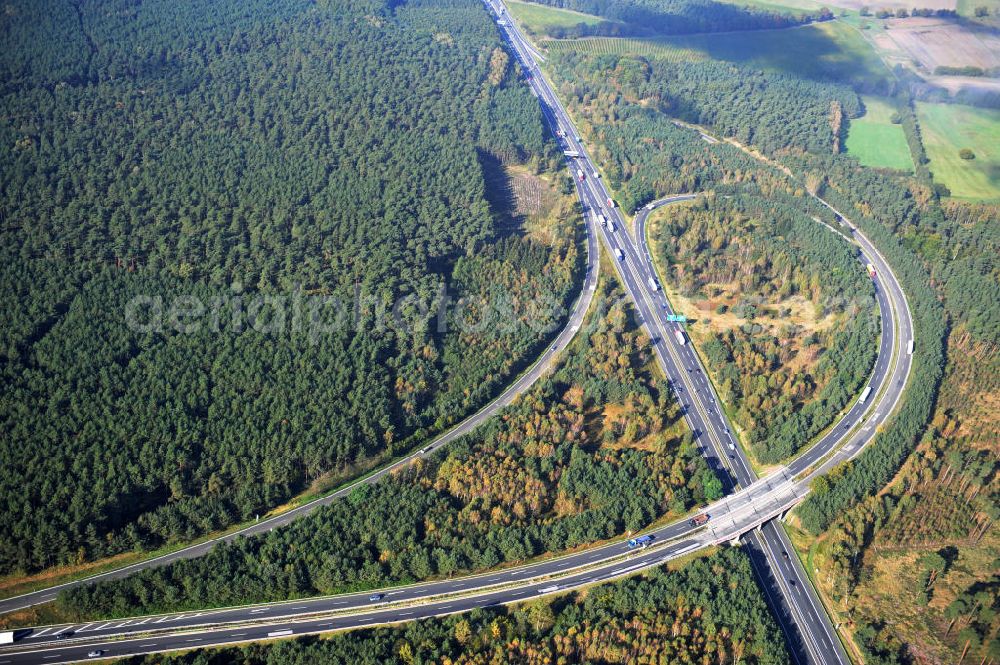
522,383
748,509
791,592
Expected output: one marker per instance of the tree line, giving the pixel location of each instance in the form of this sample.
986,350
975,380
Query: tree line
708,610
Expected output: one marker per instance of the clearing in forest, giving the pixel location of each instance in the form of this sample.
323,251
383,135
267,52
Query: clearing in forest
538,18
876,141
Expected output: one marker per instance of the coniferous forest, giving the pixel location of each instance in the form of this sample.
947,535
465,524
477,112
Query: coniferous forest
594,450
225,152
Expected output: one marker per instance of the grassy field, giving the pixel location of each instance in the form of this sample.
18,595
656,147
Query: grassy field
823,51
875,141
794,7
968,7
538,18
946,129
651,48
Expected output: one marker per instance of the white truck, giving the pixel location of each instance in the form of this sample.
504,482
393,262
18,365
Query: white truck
7,637
611,226
680,337
620,254
652,284
864,395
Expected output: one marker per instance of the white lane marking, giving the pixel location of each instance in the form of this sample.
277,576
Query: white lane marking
41,632
300,607
148,644
279,633
197,639
142,622
403,614
87,627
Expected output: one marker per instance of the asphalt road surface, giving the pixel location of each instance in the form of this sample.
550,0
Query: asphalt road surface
748,510
545,362
791,588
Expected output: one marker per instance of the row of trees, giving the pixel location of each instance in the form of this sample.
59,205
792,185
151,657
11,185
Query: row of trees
879,205
710,610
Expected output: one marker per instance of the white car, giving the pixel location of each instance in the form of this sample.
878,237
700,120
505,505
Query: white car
96,653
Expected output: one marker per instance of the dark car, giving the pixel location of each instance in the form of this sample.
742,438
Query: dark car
376,596
64,635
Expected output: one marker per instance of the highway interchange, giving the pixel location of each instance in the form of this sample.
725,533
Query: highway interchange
748,510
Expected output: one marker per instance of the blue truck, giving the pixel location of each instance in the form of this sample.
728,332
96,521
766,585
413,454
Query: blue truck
641,541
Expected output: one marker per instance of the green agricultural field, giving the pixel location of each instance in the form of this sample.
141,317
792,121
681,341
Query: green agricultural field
968,7
946,129
651,48
824,51
537,19
875,141
794,7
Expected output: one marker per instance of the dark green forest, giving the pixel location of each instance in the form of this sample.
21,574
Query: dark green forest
225,151
593,450
783,382
709,610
